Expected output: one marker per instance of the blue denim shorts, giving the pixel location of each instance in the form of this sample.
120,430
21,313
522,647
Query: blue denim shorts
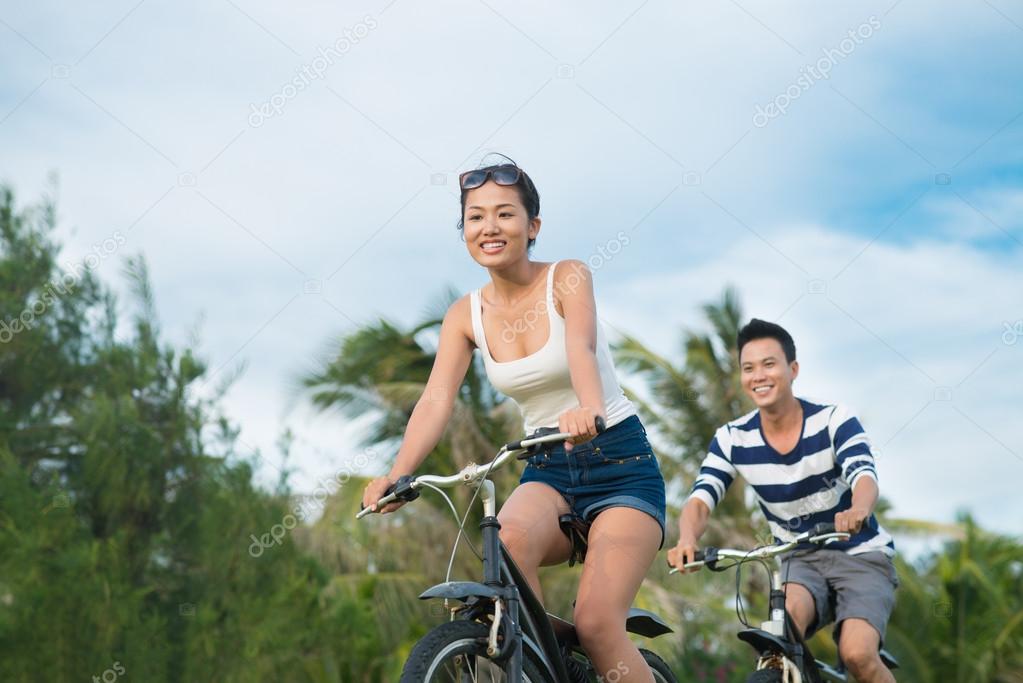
617,468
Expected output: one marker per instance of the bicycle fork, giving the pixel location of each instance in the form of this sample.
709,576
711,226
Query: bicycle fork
779,645
509,595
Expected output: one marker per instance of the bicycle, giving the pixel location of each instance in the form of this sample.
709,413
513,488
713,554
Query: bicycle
500,631
784,656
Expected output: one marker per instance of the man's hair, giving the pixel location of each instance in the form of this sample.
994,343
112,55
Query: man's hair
761,329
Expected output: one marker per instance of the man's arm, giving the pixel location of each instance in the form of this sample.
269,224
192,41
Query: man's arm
716,475
855,457
692,524
864,499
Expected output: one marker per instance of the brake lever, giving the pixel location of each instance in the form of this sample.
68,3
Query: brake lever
401,490
833,537
707,557
535,448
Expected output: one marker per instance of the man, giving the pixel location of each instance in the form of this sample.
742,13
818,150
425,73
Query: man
807,463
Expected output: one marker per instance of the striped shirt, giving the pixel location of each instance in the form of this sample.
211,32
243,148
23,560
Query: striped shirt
804,487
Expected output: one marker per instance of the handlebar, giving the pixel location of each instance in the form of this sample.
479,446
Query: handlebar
407,488
820,534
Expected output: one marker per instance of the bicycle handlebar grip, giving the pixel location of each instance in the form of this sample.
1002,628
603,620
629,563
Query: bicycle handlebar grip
699,556
823,528
600,424
402,490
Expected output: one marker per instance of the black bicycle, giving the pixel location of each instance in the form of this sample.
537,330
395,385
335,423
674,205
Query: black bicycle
498,630
784,657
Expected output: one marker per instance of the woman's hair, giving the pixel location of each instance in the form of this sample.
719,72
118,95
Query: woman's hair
527,192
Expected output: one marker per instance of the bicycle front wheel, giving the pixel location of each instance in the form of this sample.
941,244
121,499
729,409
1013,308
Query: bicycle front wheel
658,667
765,676
456,652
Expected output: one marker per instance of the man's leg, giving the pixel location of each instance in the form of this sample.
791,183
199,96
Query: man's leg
864,587
858,646
806,592
800,606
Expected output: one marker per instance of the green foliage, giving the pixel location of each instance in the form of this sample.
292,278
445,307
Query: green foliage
126,514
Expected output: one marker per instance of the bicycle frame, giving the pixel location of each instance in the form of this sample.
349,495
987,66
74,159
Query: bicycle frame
504,591
503,584
525,621
778,635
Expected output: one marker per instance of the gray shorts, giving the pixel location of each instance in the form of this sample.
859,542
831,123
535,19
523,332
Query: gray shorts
845,586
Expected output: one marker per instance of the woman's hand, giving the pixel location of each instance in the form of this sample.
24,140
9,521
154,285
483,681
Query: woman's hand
376,490
581,423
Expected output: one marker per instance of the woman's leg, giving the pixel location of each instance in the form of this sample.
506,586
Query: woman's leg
622,545
530,530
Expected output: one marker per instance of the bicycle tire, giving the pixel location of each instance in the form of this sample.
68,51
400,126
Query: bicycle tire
765,676
661,671
459,638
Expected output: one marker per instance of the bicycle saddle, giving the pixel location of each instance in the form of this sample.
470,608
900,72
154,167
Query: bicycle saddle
577,529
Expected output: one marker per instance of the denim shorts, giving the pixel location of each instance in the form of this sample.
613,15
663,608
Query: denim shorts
617,468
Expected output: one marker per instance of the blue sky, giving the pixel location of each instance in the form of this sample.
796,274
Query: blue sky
879,217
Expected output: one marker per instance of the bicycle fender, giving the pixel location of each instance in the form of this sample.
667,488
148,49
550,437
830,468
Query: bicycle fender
762,641
460,590
644,623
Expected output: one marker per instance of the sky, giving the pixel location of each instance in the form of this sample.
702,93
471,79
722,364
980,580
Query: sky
289,171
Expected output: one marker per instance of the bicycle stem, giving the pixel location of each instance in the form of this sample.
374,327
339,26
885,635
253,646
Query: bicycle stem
776,612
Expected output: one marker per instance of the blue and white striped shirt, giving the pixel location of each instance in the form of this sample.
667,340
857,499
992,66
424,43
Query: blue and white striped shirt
804,487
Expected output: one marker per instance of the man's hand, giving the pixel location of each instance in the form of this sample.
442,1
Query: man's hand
682,554
851,520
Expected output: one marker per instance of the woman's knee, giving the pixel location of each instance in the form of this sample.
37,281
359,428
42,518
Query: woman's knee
597,623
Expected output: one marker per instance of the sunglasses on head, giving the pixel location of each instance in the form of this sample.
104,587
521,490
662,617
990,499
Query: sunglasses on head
502,175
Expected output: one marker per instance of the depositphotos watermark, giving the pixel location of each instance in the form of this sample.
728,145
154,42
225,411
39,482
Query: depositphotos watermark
603,254
111,674
1012,333
324,489
812,73
60,286
614,675
310,72
823,499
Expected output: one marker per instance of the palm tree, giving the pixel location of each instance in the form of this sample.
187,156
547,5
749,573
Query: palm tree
381,370
688,402
683,404
960,612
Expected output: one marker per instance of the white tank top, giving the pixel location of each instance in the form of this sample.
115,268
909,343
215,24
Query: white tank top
540,383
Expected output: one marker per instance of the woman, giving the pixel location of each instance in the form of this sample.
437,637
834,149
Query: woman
536,326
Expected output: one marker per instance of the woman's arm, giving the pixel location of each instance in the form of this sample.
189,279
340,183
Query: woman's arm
573,289
433,410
